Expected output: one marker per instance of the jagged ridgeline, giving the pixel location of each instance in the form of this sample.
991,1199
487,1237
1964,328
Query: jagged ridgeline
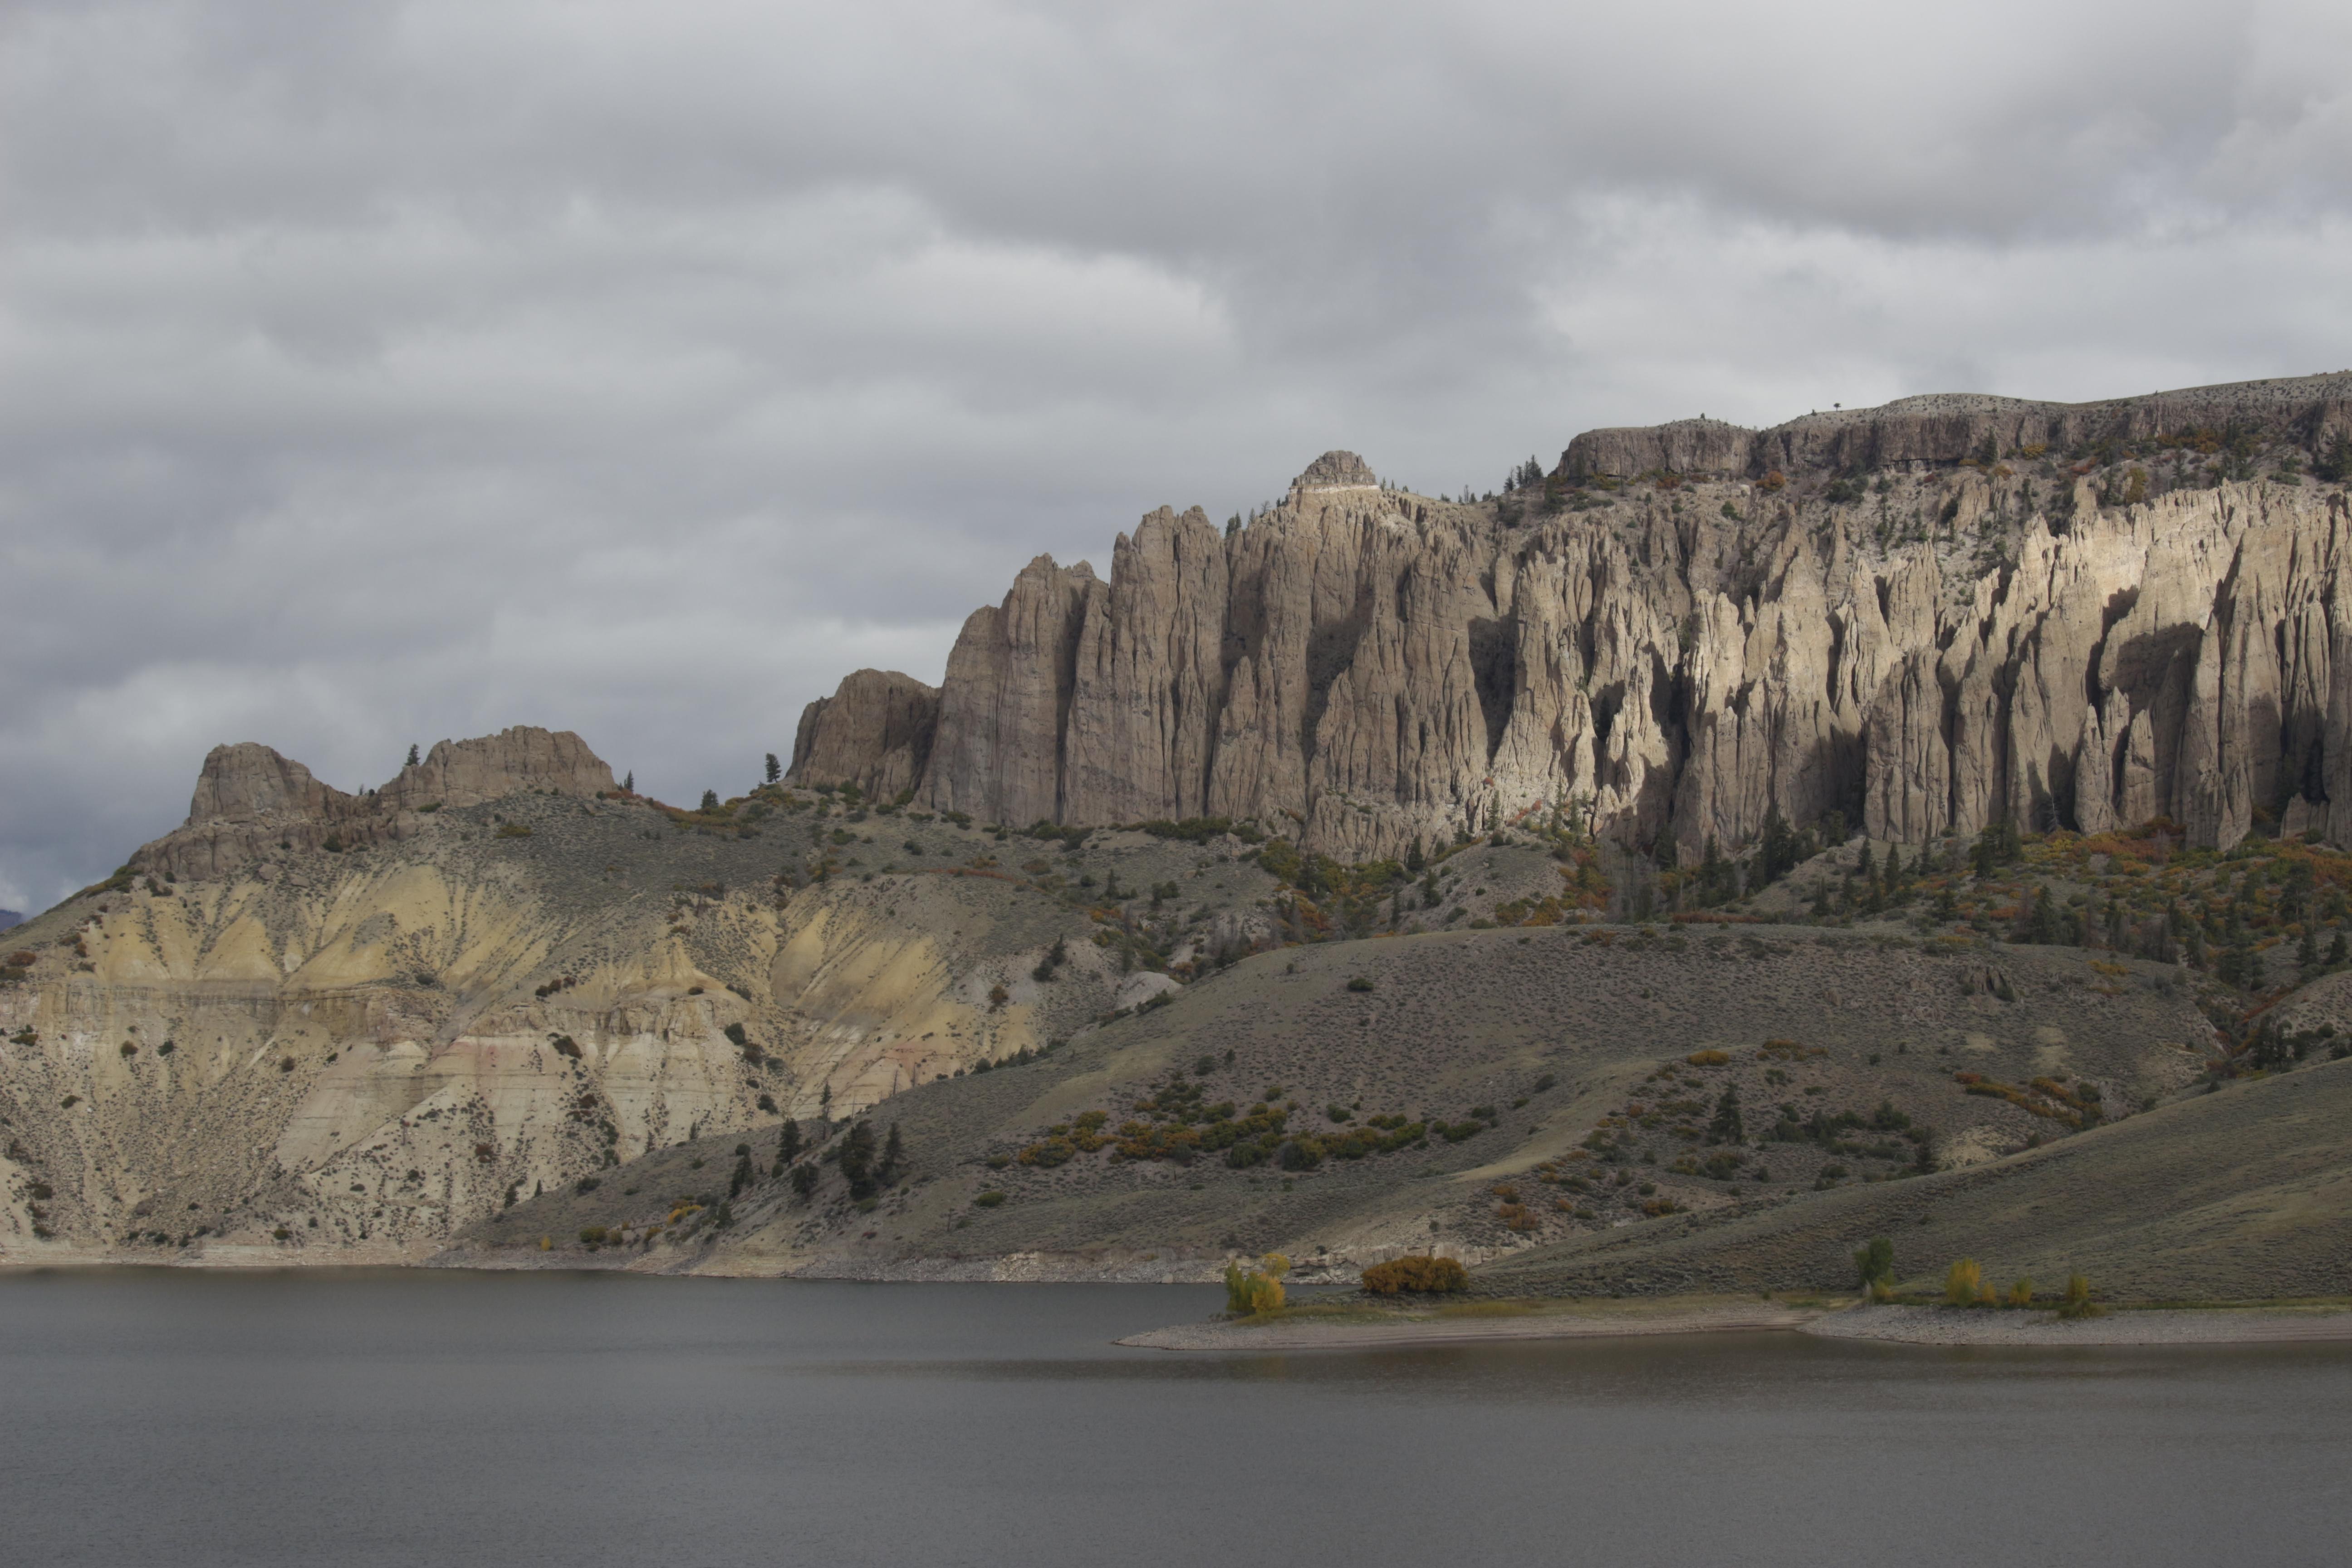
1929,617
502,1001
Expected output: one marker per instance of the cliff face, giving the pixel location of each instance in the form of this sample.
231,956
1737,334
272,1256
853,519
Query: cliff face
250,801
1930,616
360,1052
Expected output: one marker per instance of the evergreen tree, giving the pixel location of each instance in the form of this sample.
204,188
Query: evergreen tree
412,753
1727,1127
893,1158
2337,951
1414,860
2042,925
803,1180
775,768
740,1177
1718,876
856,1160
629,784
788,1144
1776,852
2306,951
710,800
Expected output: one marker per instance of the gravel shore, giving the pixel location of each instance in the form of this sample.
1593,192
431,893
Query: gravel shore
2211,1326
1607,1321
1895,1325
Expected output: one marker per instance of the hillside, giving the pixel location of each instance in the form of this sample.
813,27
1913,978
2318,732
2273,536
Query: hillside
2241,1194
1484,1091
1375,872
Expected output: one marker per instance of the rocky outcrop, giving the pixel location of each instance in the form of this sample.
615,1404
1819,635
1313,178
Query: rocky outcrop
1928,616
513,760
250,801
875,732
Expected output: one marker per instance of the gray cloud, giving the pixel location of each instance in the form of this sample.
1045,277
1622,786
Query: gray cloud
376,373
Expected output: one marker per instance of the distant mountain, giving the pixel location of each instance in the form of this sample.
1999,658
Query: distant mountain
10,918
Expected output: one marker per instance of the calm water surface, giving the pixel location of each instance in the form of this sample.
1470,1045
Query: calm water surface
442,1418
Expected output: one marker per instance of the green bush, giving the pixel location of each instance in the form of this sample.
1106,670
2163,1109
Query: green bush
2078,1302
990,1199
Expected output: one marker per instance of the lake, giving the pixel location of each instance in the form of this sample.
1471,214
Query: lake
364,1417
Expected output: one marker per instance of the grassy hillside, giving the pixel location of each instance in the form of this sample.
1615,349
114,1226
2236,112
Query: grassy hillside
1488,1091
2242,1193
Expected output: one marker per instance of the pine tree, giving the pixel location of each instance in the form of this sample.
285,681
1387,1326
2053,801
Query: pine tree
629,784
412,753
803,1180
1776,852
710,800
775,768
856,1160
2337,952
1414,860
788,1144
2306,951
894,1156
1727,1127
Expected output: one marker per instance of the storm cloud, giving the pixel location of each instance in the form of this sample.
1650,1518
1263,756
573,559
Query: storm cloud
377,373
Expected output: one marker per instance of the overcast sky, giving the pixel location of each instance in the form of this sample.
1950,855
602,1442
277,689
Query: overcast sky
373,374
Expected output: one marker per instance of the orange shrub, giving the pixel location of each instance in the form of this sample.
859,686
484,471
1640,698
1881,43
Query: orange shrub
1424,1275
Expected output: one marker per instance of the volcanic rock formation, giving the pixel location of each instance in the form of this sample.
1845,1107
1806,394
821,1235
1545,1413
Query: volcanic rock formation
249,799
1929,617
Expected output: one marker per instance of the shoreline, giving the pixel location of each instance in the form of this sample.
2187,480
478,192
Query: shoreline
1570,1320
1903,1325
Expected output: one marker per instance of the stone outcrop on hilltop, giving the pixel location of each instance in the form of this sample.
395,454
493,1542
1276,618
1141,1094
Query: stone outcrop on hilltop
1929,617
249,800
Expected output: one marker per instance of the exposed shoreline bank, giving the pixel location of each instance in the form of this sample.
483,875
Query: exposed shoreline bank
1890,1325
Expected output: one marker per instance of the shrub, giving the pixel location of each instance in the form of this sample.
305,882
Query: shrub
1963,1282
593,1235
1360,984
2078,1302
1875,1261
130,1048
1259,1289
586,1184
1422,1276
513,830
990,1199
2021,1294
564,1045
1707,1058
